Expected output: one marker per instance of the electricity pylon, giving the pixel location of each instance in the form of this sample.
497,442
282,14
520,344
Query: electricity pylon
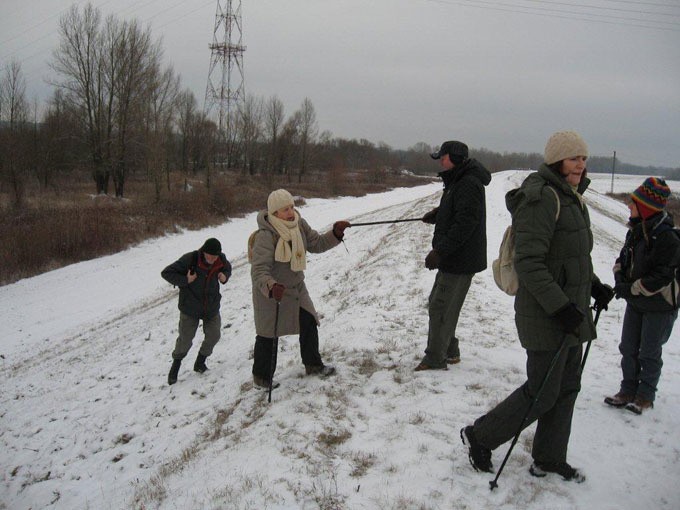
225,91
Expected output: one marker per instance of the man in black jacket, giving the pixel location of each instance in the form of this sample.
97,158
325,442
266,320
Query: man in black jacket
198,275
458,249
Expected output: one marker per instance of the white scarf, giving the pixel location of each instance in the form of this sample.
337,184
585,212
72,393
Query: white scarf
289,232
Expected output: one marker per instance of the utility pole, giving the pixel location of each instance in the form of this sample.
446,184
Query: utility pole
613,170
225,91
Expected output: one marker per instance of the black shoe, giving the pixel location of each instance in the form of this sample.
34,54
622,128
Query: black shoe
200,366
174,370
480,457
568,473
262,383
321,370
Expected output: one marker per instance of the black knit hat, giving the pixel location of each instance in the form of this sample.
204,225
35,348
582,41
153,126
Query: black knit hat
212,247
457,151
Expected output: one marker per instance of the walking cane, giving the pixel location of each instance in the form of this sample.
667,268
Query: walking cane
493,483
383,222
585,354
275,348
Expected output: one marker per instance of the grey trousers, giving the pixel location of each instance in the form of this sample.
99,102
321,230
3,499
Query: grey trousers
187,331
553,410
642,338
446,300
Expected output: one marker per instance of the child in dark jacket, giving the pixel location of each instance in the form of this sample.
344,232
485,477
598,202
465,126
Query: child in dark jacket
198,275
645,278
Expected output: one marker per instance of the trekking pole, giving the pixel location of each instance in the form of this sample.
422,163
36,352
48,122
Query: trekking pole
585,353
275,348
383,222
493,483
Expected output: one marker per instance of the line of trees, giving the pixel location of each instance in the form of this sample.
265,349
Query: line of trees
117,110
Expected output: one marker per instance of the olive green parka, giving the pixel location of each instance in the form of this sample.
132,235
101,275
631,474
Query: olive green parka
552,259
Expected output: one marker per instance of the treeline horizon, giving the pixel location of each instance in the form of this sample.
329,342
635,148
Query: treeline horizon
118,111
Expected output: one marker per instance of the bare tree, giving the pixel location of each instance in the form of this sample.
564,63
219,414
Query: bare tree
16,135
163,93
249,127
106,72
78,59
308,131
130,71
273,121
186,114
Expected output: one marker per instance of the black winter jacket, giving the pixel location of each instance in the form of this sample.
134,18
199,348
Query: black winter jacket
201,298
460,229
647,261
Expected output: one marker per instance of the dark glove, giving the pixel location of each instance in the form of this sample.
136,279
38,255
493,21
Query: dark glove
570,317
602,294
277,291
430,217
432,260
339,229
619,277
622,290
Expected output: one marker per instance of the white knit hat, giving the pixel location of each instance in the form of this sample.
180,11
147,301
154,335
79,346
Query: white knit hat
564,145
278,200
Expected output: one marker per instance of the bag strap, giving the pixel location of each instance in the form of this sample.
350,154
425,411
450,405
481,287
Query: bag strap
559,204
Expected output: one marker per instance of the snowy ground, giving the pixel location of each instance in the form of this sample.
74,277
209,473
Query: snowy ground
87,420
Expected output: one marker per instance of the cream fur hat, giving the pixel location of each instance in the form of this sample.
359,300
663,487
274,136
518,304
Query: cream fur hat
278,200
564,145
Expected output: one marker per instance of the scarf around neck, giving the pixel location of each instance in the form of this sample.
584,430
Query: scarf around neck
289,247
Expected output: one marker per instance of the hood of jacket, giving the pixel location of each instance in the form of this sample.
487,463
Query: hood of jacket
533,185
470,167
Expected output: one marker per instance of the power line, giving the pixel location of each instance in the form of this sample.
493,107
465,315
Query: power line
563,14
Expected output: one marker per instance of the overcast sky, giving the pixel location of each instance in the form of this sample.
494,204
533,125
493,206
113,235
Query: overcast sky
499,74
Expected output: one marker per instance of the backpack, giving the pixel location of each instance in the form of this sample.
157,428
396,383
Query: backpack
503,267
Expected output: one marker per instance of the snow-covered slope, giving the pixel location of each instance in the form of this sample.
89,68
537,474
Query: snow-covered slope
87,419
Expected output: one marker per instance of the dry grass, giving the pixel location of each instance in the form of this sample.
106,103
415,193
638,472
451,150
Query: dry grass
62,226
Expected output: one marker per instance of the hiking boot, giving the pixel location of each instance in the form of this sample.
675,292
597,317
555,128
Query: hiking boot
453,360
263,383
425,366
619,400
480,456
639,404
199,365
568,473
321,370
174,370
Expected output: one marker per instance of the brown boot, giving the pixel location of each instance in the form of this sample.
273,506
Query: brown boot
619,400
639,404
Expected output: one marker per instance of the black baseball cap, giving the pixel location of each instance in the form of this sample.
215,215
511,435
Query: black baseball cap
452,148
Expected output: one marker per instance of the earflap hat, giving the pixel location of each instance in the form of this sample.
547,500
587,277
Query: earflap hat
651,196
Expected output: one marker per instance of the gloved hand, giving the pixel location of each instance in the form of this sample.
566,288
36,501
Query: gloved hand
277,291
430,217
339,229
622,290
602,294
619,277
570,317
432,260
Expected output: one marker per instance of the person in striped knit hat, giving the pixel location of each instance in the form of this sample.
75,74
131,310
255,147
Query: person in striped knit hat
645,275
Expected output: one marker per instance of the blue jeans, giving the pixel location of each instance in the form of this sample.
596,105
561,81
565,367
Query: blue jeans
642,339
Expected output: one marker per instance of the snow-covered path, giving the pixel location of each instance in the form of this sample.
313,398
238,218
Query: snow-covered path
88,421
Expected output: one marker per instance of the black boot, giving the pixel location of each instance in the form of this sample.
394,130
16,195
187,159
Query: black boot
174,370
200,366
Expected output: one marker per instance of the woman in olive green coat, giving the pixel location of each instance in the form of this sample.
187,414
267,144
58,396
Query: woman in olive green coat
553,242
